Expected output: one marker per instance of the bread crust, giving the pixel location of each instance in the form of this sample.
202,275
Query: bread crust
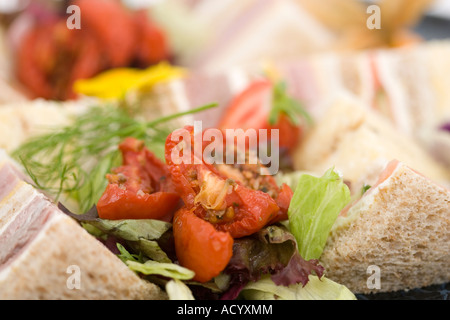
43,271
403,227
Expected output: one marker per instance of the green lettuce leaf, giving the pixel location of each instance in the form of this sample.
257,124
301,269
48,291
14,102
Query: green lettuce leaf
314,208
316,289
150,249
140,264
142,236
169,270
133,230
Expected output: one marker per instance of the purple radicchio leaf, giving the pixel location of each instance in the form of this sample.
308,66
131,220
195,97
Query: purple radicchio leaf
445,127
111,243
90,216
297,271
272,251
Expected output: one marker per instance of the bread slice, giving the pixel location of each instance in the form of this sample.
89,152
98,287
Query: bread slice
41,248
401,226
21,120
44,270
359,143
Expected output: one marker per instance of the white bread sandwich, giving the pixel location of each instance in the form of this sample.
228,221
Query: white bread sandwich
46,255
407,85
360,143
400,228
21,120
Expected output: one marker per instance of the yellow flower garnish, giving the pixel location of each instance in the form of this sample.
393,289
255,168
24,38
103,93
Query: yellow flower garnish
116,83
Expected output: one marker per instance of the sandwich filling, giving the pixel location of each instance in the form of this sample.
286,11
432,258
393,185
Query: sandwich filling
24,229
23,213
351,212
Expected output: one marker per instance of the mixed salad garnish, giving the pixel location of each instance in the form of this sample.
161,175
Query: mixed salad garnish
197,228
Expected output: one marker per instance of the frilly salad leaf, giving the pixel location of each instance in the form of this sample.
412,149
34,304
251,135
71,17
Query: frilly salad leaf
273,250
169,270
140,264
143,236
316,289
133,230
314,208
150,249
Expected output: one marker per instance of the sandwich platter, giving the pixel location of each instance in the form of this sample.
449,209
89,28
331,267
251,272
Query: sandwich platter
224,150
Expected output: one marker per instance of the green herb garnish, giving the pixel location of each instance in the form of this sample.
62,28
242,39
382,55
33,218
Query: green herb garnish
284,104
365,189
73,160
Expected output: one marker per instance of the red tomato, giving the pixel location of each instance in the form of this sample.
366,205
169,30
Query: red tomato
152,46
250,109
122,204
221,194
51,57
199,246
113,27
289,133
140,189
283,201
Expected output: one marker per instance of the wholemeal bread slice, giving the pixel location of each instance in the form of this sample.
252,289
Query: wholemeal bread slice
46,270
401,226
45,254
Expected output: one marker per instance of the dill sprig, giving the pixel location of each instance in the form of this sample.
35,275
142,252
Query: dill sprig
72,161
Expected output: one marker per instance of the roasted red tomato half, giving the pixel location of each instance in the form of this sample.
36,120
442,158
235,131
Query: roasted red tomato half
51,57
233,198
199,246
140,188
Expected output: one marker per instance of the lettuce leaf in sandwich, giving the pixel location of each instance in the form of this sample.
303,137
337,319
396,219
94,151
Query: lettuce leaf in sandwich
314,208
